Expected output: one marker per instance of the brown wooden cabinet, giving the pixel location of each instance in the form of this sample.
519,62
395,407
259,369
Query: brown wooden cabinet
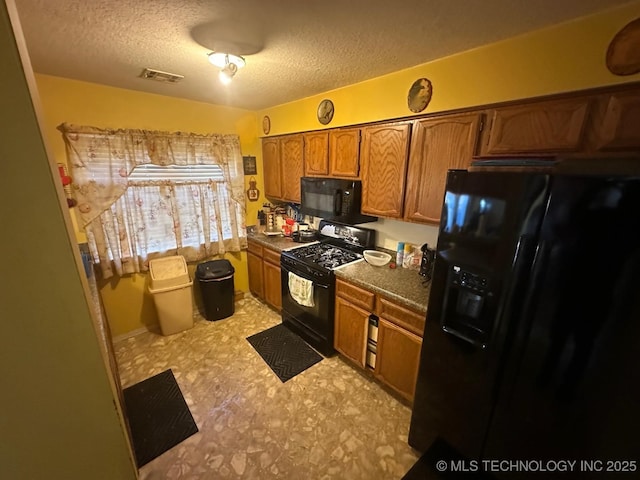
398,358
292,166
403,164
545,127
272,167
316,153
344,152
283,166
383,157
256,281
437,144
399,335
272,281
351,325
264,274
616,122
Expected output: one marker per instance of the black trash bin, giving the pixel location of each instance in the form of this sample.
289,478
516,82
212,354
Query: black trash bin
215,279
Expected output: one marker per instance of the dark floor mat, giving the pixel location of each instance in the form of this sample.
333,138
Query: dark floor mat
285,352
158,415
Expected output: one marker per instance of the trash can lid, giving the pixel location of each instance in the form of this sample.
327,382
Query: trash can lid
168,272
214,269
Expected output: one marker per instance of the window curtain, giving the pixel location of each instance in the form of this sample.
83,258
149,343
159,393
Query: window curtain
128,223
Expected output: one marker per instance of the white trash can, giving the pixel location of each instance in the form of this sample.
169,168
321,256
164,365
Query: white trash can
171,288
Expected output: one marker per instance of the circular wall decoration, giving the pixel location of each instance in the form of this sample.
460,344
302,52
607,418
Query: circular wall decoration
325,111
623,54
266,125
419,95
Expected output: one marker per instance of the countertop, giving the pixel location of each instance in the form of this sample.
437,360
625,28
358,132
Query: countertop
274,242
401,285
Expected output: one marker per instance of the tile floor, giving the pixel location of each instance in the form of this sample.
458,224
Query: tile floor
329,422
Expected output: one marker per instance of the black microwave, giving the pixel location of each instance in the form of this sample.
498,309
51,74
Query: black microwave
334,199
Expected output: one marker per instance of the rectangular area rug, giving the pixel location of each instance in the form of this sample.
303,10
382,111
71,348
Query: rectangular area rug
284,351
158,416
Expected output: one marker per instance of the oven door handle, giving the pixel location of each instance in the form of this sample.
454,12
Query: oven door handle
315,284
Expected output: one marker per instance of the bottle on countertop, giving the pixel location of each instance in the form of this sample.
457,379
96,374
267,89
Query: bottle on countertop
406,257
400,254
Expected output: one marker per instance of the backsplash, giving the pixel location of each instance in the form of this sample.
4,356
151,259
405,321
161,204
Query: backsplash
390,232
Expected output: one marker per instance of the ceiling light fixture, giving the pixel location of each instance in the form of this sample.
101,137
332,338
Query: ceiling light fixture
228,64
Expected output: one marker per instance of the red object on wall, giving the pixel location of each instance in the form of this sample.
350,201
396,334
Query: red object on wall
66,183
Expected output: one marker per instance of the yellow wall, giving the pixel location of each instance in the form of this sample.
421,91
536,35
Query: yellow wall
58,418
566,57
127,303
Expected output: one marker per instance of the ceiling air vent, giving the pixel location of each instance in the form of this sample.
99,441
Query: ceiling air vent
159,76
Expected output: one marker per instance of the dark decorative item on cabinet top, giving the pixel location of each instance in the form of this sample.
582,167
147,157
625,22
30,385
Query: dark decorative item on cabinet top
253,193
249,165
266,125
419,95
325,111
623,54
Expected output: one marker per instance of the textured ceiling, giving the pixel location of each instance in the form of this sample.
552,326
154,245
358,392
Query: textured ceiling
293,48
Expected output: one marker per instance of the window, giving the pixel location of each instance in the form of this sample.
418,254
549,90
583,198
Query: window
147,194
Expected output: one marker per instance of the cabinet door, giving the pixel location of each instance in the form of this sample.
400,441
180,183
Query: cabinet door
436,146
291,150
344,152
383,157
618,127
272,290
256,284
397,358
553,126
272,169
316,153
351,327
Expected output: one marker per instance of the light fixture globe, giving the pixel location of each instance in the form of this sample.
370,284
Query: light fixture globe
220,59
228,64
227,73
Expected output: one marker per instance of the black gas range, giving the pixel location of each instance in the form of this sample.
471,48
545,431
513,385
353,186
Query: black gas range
308,280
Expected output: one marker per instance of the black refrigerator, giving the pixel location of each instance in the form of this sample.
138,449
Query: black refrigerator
531,348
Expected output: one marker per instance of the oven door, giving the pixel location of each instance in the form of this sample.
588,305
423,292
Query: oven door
312,320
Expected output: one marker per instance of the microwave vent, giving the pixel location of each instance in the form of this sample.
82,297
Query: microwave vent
159,76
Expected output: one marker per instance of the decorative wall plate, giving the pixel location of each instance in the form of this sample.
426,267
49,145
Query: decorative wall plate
266,125
325,111
623,54
419,95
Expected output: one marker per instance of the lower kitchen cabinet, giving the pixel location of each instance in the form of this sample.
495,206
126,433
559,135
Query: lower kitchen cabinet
264,274
351,327
399,336
272,280
398,358
256,278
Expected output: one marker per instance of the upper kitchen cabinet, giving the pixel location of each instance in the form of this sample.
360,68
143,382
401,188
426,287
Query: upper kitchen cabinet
437,145
334,153
283,167
383,157
316,153
344,152
615,122
291,158
272,167
538,128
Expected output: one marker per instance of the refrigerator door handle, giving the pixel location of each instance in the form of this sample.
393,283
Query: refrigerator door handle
461,336
524,255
